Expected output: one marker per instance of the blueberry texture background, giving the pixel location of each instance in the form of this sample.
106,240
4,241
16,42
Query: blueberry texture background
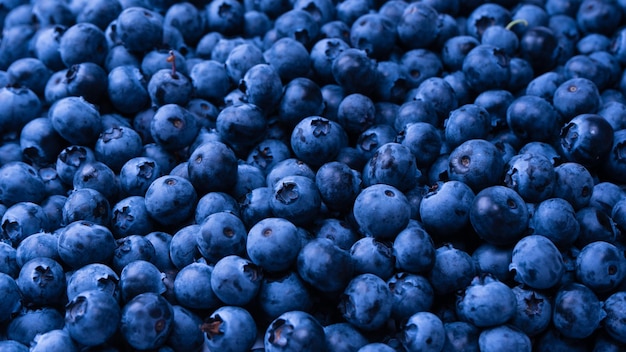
312,175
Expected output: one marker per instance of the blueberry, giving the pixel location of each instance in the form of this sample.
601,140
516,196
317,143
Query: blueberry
443,202
212,167
372,256
411,294
54,340
21,220
289,58
170,200
84,242
92,317
41,282
533,311
192,287
453,270
577,311
414,249
302,97
282,293
537,262
486,302
272,244
532,176
493,260
31,322
130,249
555,219
97,176
423,331
600,266
83,42
586,139
487,67
236,280
221,234
12,302
576,96
461,336
477,163
146,321
497,208
344,337
503,338
41,244
296,198
76,120
294,331
574,183
325,266
139,29
241,126
381,211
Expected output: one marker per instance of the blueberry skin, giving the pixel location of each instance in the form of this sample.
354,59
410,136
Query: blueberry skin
273,244
371,32
295,331
12,302
374,137
486,302
343,337
586,139
317,140
461,336
477,163
127,89
267,154
31,322
99,177
381,211
574,183
235,280
41,244
297,199
289,58
167,86
354,71
92,317
595,225
493,260
21,220
146,321
537,262
84,242
283,293
137,174
87,204
83,42
423,331
577,311
241,126
325,266
215,202
70,159
533,311
182,248
532,176
230,329
185,335
372,256
392,164
40,144
212,167
54,340
338,184
192,287
173,127
221,234
600,266
487,67
417,27
499,215
170,200
302,97
255,206
19,182
455,50
467,122
414,250
76,120
615,306
139,29
453,270
410,294
445,209
41,282
576,96
532,118
262,86
46,46
225,16
94,276
240,59
503,338
132,248
9,265
323,53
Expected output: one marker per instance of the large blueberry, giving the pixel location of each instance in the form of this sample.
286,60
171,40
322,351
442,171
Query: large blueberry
499,215
229,329
381,211
577,311
92,317
486,302
170,200
424,331
146,321
537,262
366,302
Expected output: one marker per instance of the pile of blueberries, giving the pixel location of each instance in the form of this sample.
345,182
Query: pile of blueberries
313,175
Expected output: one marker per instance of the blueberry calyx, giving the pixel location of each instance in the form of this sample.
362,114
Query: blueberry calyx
212,327
288,193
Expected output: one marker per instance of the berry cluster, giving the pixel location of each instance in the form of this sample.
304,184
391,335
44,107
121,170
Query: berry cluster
312,175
